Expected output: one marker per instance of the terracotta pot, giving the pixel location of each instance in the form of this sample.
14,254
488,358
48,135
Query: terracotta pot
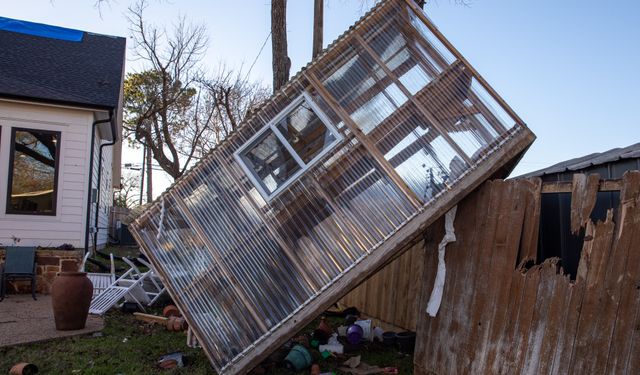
23,368
324,326
71,296
171,310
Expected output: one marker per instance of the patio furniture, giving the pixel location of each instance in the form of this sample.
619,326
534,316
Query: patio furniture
129,284
19,263
154,288
100,281
142,288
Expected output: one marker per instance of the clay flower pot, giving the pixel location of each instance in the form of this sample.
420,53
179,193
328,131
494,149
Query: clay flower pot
23,368
70,297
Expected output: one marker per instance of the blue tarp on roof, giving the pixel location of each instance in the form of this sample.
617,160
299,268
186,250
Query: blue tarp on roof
39,29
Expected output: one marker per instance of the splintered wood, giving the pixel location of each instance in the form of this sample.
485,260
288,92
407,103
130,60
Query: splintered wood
500,315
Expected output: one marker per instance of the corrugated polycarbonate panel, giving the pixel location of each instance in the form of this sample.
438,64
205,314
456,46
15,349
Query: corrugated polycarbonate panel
413,119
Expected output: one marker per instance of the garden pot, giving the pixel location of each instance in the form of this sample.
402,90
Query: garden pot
71,297
170,310
324,326
23,368
298,358
406,341
389,339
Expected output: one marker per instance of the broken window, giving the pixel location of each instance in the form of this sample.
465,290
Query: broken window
286,147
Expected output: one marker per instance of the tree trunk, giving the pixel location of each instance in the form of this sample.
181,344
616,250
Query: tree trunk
280,59
318,22
149,177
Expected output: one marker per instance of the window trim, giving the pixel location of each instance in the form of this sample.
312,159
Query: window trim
54,204
272,125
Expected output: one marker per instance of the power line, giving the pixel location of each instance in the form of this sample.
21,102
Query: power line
258,56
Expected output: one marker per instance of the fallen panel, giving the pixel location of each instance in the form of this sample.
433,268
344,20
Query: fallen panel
326,182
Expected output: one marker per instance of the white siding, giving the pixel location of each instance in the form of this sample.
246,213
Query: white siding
106,192
68,225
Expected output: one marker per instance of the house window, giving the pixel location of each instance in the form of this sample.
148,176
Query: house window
33,172
286,147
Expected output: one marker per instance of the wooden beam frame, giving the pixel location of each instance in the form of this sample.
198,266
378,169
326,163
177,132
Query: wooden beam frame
365,141
567,187
420,14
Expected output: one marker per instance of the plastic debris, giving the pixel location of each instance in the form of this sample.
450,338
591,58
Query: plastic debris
171,360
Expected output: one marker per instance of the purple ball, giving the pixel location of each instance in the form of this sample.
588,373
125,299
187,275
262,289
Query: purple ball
354,334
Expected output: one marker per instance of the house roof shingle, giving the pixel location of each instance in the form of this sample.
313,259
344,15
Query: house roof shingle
51,69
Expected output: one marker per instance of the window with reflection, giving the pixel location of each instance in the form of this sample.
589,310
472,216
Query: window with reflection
281,151
33,172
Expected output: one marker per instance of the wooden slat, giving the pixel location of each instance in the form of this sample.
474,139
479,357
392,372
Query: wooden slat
531,225
567,187
621,349
583,199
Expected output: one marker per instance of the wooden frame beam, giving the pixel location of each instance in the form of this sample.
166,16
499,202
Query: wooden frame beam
567,187
365,141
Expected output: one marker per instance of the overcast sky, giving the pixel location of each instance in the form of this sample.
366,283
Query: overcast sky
569,68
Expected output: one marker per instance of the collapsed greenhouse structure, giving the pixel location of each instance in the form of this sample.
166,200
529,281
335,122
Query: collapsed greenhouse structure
326,182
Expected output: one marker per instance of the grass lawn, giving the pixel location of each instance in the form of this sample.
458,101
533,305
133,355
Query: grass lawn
128,346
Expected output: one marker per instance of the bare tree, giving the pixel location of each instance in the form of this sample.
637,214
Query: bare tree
223,101
127,195
173,108
157,100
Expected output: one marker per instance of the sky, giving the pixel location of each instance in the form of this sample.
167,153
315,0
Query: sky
568,68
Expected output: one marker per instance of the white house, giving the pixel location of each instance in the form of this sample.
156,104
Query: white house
60,126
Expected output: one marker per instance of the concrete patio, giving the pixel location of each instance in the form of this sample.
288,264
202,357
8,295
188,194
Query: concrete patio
23,320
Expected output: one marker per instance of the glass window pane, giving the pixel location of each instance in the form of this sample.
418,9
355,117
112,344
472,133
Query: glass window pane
269,161
33,172
305,132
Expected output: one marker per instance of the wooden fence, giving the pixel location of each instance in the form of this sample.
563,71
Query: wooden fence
506,312
500,315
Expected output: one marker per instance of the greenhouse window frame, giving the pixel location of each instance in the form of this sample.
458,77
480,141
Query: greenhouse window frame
272,126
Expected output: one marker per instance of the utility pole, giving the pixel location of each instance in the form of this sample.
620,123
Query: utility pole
318,29
144,152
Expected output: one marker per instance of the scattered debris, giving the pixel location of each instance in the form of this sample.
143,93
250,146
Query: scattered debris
172,323
438,286
171,360
355,366
332,345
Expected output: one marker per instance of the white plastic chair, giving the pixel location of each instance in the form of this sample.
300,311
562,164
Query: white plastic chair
100,281
154,288
127,286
